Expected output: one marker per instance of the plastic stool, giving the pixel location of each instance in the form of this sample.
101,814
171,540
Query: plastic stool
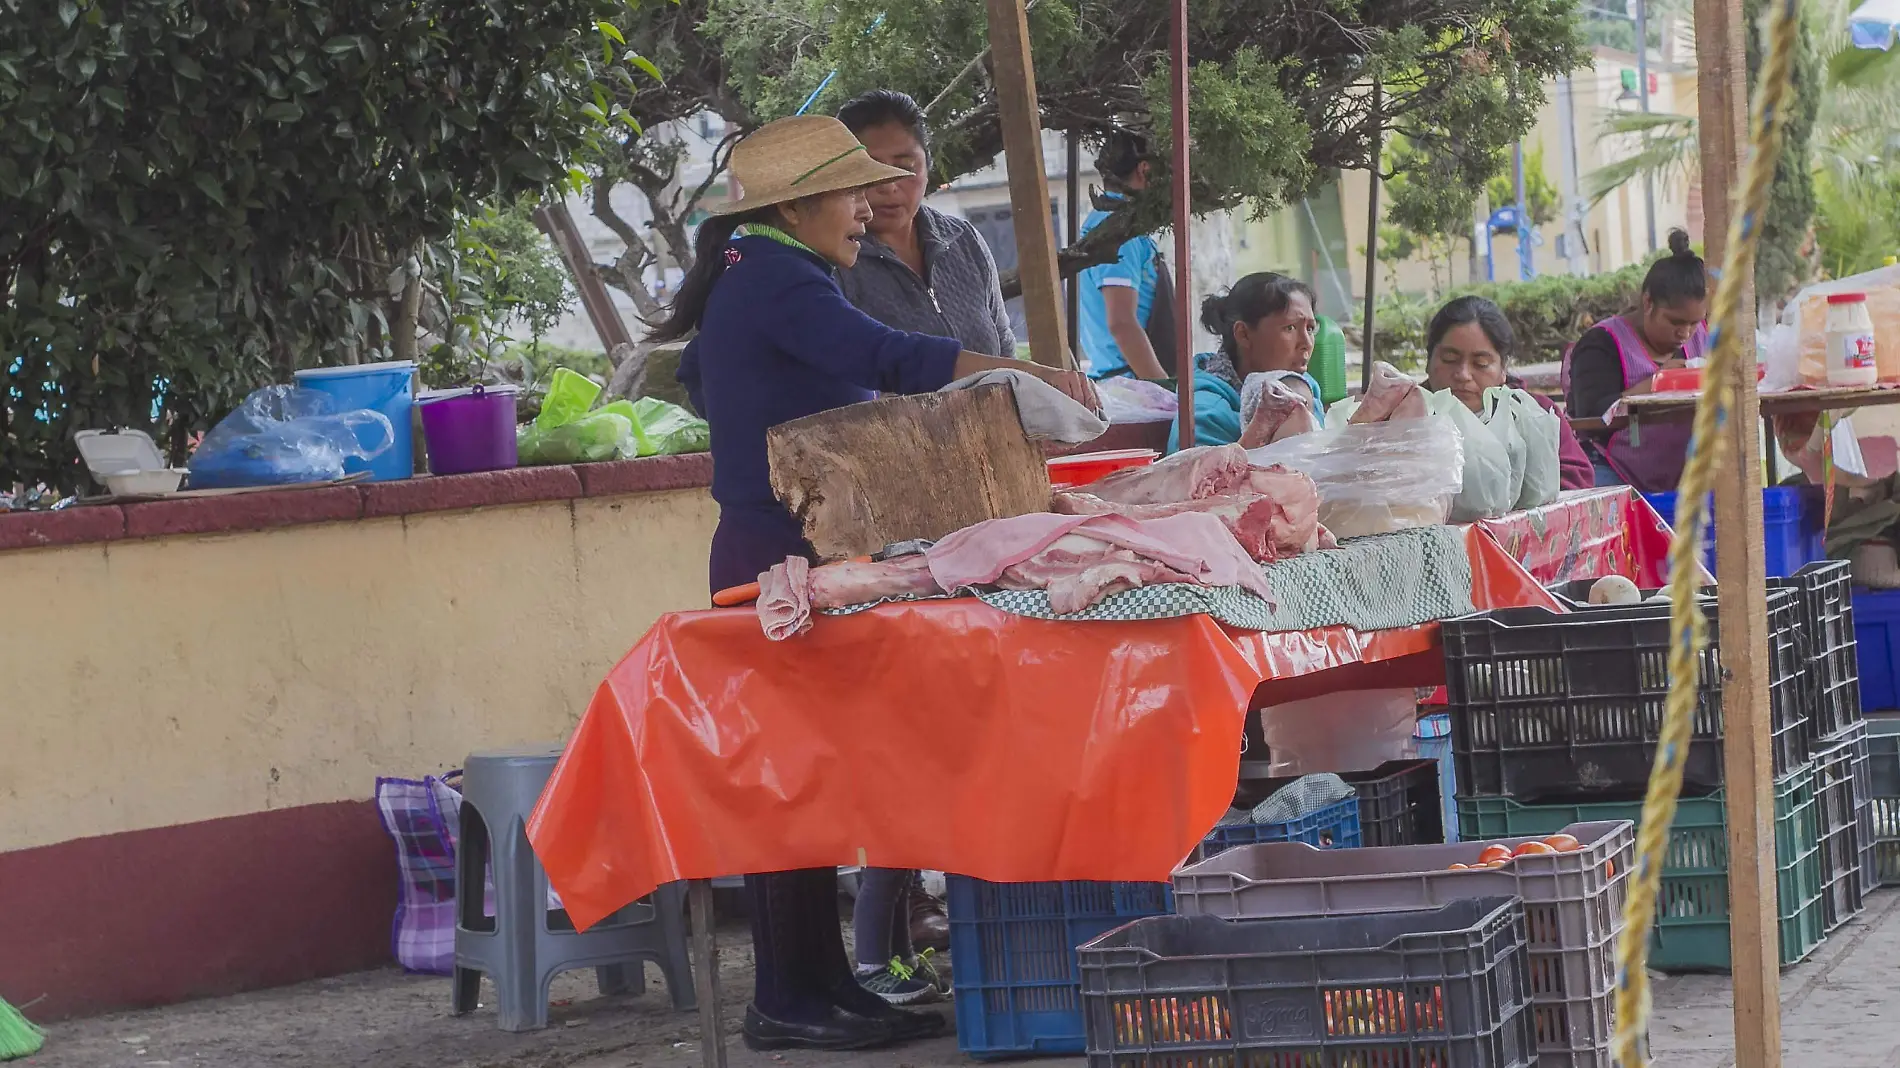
525,944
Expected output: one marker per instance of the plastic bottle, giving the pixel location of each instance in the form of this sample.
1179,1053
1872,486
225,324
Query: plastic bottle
1850,341
1327,365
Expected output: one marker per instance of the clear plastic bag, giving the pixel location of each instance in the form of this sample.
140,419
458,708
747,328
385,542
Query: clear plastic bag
1351,731
1487,489
282,435
1375,478
1132,400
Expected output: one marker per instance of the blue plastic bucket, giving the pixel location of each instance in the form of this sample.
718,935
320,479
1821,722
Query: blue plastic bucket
388,388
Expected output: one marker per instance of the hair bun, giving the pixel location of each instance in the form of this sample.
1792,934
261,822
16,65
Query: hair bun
1680,246
1214,315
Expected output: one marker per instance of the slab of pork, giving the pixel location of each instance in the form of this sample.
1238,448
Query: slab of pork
1392,395
1273,515
1282,413
1206,471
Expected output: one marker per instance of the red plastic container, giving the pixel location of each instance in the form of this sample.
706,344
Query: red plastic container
1067,472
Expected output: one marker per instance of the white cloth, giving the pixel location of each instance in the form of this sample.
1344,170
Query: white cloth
1046,411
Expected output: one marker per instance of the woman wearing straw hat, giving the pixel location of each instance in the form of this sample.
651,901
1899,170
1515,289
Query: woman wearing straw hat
778,341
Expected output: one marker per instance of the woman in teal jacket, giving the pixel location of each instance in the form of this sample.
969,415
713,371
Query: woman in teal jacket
1265,322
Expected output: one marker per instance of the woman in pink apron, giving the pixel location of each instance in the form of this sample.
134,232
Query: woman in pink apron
1619,356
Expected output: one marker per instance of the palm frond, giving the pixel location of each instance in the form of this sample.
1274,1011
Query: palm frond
1665,146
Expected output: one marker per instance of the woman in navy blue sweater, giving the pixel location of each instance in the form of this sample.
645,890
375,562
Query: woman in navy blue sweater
776,341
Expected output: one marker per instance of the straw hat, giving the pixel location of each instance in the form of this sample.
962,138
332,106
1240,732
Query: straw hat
801,157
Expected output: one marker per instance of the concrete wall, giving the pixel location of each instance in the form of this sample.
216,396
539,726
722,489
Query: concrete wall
194,724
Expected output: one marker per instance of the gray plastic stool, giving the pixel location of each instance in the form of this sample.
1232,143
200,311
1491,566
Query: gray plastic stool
525,944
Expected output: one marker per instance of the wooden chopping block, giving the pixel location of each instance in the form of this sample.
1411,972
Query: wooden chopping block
861,477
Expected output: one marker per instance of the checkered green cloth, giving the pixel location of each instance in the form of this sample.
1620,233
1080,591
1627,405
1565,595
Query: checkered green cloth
1371,583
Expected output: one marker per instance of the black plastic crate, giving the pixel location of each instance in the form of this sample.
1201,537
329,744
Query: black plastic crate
1840,775
1826,639
1437,988
1399,802
1548,704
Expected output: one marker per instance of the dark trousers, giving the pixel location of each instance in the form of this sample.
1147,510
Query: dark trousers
797,947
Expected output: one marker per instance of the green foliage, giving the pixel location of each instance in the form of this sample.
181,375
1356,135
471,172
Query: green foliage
196,198
497,274
1541,198
1857,156
1281,91
1546,314
1783,263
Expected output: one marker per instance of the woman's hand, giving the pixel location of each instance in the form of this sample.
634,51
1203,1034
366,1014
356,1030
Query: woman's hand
1076,385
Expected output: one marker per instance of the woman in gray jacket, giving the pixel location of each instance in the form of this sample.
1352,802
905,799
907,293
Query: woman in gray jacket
919,269
926,272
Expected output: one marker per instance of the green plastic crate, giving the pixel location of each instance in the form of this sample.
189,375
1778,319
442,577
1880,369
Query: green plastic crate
1691,932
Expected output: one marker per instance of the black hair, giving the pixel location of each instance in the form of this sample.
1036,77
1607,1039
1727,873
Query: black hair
880,106
1478,310
709,262
1251,299
1678,276
1121,153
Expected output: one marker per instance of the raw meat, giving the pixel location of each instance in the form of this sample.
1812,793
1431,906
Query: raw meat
1392,395
789,591
785,599
1282,412
1206,471
1274,516
1111,552
1077,571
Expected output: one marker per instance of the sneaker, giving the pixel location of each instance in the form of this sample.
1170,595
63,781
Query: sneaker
933,968
899,983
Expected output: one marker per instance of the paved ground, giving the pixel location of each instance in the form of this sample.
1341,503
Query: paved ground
1832,1017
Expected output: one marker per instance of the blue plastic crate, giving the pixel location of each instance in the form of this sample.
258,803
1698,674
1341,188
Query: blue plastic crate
1877,636
1792,532
1018,988
1433,739
1336,826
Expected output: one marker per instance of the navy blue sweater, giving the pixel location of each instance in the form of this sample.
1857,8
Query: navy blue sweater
780,342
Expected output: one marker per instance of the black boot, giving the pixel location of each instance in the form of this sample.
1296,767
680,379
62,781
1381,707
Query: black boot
832,970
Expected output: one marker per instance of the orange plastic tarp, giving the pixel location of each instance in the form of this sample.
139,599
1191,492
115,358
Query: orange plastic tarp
937,734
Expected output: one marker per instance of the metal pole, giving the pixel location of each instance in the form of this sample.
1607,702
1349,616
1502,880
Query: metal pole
1573,217
1642,94
1183,325
1071,233
1372,240
1525,271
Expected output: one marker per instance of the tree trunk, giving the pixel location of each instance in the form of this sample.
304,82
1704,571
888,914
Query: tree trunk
898,468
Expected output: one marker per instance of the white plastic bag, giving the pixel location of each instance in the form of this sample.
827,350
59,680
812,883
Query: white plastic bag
1375,478
1352,731
1487,489
1542,434
1500,417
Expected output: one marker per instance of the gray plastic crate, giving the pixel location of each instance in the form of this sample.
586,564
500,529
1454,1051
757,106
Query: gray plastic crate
1573,906
1439,988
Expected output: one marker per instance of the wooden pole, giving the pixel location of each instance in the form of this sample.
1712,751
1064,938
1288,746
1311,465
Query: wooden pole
1072,217
1372,241
555,222
1015,76
712,1027
1748,763
1183,216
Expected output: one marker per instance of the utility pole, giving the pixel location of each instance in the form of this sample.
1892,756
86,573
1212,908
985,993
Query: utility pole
1572,179
1642,94
1525,270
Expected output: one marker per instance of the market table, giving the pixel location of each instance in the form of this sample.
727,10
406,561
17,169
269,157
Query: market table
1679,406
1054,750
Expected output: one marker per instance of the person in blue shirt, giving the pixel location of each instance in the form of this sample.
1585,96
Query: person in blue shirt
1125,308
1265,322
777,340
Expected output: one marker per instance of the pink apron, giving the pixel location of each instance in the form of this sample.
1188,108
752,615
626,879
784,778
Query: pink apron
1656,466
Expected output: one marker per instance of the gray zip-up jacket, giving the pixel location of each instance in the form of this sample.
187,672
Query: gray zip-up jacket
959,295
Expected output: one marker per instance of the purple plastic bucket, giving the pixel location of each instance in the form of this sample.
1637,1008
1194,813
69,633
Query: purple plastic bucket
469,429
